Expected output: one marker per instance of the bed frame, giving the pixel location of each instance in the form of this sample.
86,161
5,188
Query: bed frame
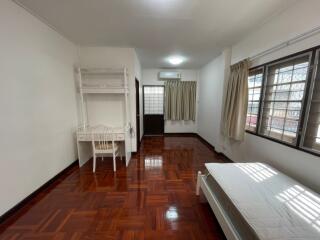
221,215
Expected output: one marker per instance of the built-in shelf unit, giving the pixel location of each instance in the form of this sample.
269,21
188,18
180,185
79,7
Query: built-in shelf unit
103,81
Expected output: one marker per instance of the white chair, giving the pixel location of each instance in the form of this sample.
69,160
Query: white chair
103,144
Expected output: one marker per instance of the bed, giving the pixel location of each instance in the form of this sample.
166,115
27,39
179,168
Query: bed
255,201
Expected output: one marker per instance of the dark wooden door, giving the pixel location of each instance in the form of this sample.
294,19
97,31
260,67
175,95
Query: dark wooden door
153,118
137,114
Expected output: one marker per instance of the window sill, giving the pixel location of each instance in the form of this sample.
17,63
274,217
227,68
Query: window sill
285,144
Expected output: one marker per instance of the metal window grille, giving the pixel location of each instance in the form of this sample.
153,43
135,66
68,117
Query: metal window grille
283,98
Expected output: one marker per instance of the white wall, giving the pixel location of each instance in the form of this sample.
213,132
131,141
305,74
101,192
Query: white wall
103,109
300,18
150,77
210,99
37,101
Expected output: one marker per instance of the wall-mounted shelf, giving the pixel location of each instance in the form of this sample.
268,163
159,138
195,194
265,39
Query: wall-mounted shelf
109,71
105,90
100,80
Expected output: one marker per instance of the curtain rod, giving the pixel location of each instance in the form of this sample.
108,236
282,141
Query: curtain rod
287,43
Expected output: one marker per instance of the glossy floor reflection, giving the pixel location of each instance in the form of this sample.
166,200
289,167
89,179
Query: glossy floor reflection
154,198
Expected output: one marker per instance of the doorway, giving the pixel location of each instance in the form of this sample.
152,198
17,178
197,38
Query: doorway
153,109
137,114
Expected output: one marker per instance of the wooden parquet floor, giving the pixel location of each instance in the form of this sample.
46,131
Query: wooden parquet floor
154,198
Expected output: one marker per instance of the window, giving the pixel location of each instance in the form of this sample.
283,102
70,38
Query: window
254,93
289,108
311,130
283,98
153,100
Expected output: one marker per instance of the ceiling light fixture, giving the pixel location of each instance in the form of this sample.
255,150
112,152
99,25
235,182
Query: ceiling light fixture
176,60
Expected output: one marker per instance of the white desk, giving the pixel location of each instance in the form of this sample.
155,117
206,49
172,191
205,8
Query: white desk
84,142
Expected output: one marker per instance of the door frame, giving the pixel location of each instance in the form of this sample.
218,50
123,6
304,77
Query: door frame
138,113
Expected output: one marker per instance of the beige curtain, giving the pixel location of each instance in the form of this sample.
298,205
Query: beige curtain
180,100
236,102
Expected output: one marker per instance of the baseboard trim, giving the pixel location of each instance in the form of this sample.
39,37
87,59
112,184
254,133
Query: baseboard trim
184,134
29,198
204,141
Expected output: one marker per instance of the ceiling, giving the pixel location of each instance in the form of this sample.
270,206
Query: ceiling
196,29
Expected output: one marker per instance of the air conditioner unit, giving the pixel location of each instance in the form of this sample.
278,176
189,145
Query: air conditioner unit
166,75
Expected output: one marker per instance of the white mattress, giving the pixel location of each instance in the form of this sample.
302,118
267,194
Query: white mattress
273,205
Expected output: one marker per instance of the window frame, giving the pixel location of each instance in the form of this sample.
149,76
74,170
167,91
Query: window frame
302,124
256,69
306,89
315,62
